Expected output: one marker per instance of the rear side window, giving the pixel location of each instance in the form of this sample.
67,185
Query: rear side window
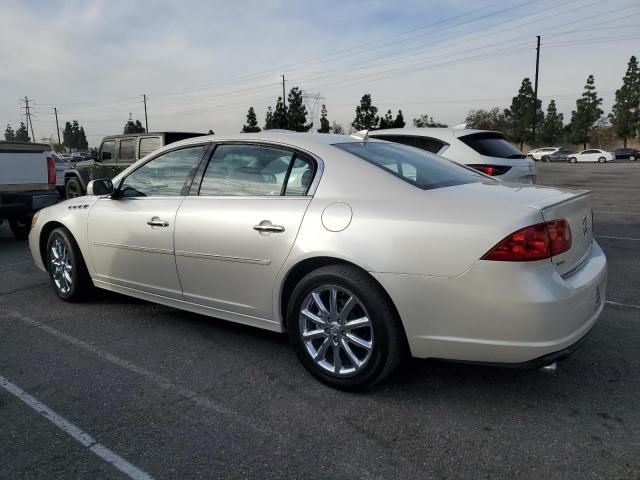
425,143
419,168
491,144
148,145
127,152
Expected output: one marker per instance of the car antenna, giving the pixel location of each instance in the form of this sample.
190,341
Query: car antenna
362,135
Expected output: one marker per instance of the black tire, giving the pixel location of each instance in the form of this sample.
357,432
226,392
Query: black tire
73,188
545,158
388,340
80,283
632,158
573,160
602,160
20,227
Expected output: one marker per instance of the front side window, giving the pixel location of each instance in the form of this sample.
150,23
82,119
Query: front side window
165,175
491,144
108,150
419,168
127,152
255,170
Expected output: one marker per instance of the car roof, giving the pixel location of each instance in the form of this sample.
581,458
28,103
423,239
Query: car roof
440,133
142,134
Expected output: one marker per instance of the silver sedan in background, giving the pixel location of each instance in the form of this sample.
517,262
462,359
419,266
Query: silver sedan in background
362,250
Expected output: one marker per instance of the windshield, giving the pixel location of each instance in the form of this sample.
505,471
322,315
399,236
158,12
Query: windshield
417,167
492,144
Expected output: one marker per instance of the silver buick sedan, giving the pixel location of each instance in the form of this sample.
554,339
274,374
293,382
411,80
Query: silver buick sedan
362,250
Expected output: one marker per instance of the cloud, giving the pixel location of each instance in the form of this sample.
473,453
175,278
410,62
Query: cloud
204,63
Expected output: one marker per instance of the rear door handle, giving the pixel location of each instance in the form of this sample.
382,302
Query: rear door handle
267,227
156,222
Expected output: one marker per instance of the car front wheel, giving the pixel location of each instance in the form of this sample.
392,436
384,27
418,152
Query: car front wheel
343,329
573,160
67,271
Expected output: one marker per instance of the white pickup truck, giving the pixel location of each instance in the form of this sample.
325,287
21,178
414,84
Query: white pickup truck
27,183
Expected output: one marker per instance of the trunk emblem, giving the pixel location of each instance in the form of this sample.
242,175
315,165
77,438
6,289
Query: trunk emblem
585,228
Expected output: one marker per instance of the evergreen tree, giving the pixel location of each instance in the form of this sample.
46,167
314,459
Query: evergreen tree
9,134
520,116
133,127
269,122
552,126
586,114
366,115
22,134
67,136
297,114
387,120
481,119
280,115
252,122
337,128
399,120
324,123
425,120
82,143
625,114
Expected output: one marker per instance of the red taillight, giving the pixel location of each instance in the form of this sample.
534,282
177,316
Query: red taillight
51,171
536,242
491,170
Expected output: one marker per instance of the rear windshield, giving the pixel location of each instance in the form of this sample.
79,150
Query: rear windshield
417,167
492,144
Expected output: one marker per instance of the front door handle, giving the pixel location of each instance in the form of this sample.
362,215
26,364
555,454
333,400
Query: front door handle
156,222
266,226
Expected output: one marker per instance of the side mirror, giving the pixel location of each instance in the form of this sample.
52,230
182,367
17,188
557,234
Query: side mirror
103,186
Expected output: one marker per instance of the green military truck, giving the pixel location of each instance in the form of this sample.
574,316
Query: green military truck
116,153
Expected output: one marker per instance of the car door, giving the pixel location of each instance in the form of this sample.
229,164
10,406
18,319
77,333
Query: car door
126,154
105,165
235,232
589,156
131,232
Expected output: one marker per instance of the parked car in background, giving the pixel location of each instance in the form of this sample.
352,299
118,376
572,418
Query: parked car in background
62,165
375,251
486,151
626,154
27,183
591,155
116,153
541,153
562,155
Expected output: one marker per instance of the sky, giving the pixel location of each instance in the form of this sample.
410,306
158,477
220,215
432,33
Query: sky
203,64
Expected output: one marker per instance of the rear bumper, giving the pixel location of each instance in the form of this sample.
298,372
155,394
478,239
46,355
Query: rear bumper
519,175
500,312
21,204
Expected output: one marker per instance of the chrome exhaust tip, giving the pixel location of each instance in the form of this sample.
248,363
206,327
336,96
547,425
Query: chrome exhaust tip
551,368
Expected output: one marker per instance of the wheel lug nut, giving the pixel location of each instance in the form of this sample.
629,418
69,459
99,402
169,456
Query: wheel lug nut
326,330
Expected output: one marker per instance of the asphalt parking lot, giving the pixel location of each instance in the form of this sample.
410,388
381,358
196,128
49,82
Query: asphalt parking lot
178,395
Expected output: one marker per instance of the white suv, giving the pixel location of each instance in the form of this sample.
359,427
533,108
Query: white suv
484,150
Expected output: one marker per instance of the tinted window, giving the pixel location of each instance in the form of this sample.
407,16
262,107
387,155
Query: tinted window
127,150
491,145
590,151
417,167
165,175
148,145
108,150
246,170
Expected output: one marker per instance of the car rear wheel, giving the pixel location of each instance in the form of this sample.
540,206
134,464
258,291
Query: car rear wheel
67,271
343,329
545,158
573,160
73,188
632,158
20,227
602,160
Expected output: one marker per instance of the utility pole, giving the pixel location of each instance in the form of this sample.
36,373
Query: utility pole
284,101
535,91
146,120
55,110
27,114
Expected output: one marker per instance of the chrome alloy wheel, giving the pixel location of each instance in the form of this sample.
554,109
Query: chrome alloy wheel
60,266
336,330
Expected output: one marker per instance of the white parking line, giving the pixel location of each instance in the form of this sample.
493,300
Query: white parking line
619,238
618,304
82,437
616,213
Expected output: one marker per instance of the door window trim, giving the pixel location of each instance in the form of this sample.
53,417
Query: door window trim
318,169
